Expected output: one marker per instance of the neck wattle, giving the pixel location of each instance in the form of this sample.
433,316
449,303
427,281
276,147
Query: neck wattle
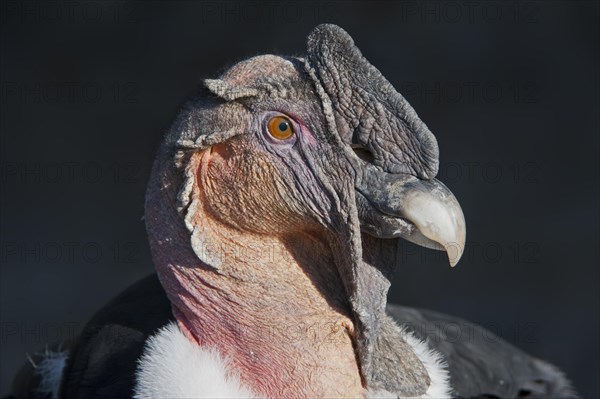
274,307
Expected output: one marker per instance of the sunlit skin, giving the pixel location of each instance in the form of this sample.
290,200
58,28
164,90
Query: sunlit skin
276,309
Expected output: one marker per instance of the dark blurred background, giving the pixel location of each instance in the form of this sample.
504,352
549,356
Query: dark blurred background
510,89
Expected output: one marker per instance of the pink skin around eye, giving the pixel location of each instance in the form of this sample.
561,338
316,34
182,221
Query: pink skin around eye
307,136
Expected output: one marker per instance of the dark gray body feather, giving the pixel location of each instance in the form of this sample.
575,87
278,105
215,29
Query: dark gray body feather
480,363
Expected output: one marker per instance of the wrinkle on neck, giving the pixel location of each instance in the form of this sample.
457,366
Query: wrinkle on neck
276,306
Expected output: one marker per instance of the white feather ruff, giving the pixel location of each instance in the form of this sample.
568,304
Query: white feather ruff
174,367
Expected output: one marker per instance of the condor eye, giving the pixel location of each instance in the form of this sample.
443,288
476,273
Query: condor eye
280,127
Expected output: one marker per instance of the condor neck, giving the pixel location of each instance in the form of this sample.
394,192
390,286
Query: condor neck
274,306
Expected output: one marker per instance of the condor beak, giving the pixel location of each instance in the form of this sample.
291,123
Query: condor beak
434,210
421,211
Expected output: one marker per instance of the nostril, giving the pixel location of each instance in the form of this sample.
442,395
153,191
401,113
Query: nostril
363,153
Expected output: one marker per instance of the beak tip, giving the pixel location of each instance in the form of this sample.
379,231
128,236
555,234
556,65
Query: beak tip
454,251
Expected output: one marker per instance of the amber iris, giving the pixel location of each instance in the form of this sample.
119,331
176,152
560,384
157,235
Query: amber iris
280,127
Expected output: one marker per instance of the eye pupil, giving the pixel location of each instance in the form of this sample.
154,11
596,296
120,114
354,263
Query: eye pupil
283,126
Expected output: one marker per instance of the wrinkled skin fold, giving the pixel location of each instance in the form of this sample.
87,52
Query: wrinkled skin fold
361,169
396,195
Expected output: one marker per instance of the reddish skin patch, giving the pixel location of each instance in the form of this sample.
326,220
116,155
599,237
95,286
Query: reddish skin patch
307,136
220,150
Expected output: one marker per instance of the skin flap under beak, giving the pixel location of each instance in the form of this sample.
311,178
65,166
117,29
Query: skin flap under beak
426,211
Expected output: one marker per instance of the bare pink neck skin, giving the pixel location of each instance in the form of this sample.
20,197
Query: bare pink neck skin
275,307
277,320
